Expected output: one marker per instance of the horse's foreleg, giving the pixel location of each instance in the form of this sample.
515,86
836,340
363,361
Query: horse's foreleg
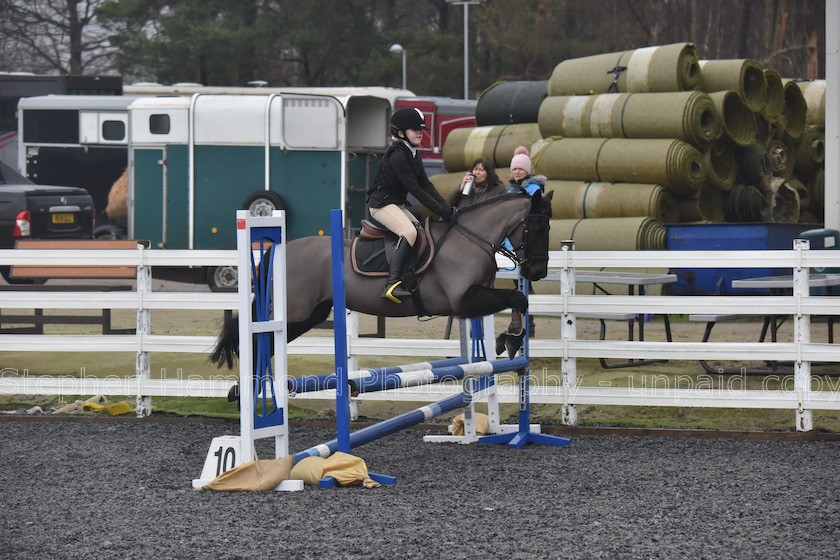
479,301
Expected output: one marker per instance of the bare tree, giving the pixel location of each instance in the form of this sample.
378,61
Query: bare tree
54,36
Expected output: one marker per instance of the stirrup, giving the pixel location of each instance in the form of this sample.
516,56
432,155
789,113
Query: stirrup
401,293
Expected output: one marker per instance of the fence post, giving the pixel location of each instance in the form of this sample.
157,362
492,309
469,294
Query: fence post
143,364
802,335
568,331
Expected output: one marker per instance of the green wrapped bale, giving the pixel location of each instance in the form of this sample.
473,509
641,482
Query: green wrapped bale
814,93
496,143
510,103
774,101
784,201
674,164
690,116
589,199
745,76
802,192
795,112
609,234
738,121
810,151
721,168
753,165
782,154
649,69
746,203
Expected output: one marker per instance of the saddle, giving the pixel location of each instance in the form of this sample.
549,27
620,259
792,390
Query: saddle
373,249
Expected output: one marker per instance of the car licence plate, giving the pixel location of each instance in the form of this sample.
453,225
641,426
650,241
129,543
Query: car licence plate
64,218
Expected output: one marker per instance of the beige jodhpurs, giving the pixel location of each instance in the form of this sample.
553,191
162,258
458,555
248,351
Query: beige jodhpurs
397,219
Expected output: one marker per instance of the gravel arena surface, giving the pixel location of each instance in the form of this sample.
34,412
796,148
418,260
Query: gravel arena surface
99,488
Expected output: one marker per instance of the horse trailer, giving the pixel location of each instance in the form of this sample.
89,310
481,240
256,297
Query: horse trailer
193,160
76,141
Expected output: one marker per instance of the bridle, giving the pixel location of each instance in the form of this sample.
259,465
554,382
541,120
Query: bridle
491,249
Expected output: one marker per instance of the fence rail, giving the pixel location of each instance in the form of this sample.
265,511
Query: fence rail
800,396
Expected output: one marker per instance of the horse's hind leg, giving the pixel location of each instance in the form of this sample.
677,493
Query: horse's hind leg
479,301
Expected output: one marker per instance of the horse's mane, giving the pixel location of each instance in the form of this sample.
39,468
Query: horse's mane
493,200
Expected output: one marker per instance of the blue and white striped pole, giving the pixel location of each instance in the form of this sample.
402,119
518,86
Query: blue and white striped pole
481,370
324,381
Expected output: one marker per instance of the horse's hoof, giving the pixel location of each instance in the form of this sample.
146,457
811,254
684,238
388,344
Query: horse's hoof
513,344
500,344
233,394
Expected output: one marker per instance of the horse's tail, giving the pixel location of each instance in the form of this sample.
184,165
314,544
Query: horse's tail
227,345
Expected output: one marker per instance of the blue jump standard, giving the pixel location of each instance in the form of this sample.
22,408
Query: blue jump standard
518,439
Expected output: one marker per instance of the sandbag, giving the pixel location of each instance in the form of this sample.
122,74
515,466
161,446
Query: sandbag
262,474
674,164
482,424
690,116
348,470
510,103
738,121
745,76
649,69
496,143
609,234
588,199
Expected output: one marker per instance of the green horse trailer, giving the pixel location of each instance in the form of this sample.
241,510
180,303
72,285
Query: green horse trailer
195,160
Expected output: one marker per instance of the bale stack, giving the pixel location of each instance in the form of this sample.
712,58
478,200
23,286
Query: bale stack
656,133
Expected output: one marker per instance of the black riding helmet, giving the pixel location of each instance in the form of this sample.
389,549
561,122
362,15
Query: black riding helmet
407,118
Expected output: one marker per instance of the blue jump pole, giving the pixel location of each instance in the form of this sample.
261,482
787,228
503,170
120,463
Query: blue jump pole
321,382
395,424
482,370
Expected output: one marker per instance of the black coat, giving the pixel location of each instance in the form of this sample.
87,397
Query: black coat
401,173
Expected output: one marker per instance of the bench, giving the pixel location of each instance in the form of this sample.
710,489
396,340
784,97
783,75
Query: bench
42,273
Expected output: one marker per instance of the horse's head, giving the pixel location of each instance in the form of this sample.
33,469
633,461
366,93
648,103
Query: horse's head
535,265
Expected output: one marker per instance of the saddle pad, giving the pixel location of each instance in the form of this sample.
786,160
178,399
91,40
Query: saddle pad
370,257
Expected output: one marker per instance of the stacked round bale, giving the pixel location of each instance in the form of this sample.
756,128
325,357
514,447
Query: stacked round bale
655,133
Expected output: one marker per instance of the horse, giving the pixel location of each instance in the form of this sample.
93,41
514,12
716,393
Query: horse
458,281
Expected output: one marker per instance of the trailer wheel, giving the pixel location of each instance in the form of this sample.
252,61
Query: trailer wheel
222,277
263,203
109,232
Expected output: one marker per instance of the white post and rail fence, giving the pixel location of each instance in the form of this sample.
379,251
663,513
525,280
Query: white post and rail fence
801,394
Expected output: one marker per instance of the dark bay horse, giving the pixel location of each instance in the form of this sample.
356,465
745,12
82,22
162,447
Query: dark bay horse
457,282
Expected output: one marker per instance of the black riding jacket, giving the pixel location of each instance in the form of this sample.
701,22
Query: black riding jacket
401,173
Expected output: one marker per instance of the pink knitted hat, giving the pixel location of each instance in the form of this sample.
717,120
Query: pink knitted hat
521,160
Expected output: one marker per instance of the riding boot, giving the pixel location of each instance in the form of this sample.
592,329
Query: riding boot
394,287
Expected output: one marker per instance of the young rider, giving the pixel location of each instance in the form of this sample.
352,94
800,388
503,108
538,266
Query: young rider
402,172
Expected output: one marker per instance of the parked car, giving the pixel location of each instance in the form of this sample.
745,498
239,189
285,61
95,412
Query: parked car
30,211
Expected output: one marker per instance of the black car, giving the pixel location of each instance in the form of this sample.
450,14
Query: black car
30,211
